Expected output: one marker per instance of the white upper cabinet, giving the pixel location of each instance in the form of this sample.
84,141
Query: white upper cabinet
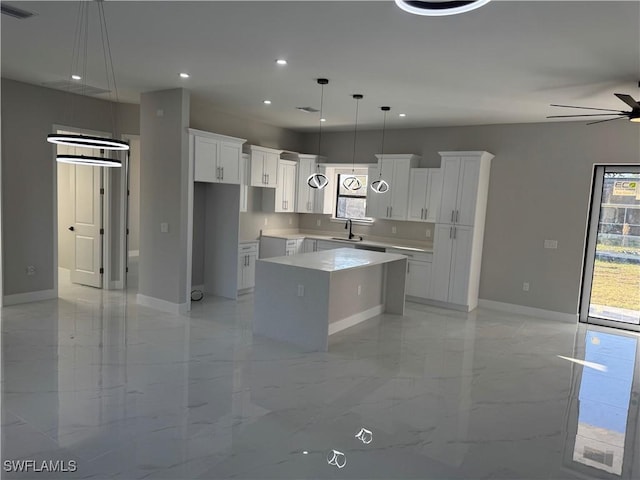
425,190
216,158
307,197
465,177
394,204
264,166
283,197
244,182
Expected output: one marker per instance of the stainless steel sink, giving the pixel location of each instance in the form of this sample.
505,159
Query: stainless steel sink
357,239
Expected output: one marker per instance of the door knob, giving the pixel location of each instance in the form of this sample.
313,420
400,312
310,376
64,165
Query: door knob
72,228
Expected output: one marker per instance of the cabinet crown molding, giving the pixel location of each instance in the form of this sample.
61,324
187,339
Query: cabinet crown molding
218,136
258,148
472,153
397,156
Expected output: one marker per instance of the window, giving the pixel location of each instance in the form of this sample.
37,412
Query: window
349,203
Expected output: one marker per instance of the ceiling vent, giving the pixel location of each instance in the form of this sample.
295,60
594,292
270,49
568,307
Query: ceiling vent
308,109
75,87
15,12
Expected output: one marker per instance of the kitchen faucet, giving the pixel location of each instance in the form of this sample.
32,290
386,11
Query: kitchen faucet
349,224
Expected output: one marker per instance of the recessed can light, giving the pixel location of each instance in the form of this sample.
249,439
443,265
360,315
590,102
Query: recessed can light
184,75
267,102
323,119
281,61
402,114
76,77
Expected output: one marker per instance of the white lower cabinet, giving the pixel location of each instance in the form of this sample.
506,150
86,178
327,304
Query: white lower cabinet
247,256
279,246
322,245
309,245
293,247
419,272
453,246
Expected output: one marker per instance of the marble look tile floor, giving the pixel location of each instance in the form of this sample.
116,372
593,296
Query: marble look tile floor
130,393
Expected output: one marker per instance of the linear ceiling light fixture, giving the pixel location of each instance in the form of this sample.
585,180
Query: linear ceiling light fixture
351,182
87,141
319,180
440,8
380,185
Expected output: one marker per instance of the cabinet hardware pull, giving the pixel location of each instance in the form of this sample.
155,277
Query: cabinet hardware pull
457,212
452,213
221,173
267,178
450,232
391,211
422,214
408,267
426,215
455,232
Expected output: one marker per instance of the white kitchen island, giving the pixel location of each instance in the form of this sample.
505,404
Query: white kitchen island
302,299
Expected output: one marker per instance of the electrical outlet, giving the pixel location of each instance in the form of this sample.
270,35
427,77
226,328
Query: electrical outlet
301,290
164,227
550,244
428,233
266,221
31,270
525,286
290,221
318,222
359,289
159,113
393,230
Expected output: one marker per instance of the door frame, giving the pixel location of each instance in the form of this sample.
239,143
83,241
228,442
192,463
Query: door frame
590,240
106,244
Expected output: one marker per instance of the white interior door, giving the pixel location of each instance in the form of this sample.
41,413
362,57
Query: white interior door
87,221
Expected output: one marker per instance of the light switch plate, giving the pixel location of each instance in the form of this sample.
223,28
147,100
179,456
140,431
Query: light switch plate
301,290
164,227
393,230
318,222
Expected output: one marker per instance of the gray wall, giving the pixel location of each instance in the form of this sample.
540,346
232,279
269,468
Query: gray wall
164,160
28,171
539,189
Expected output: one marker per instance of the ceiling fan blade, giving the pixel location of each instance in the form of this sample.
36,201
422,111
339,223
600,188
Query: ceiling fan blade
585,115
587,108
628,99
607,120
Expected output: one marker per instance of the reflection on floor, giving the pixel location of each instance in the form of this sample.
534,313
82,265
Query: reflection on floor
128,392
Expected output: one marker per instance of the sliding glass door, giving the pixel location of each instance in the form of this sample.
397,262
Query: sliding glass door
611,275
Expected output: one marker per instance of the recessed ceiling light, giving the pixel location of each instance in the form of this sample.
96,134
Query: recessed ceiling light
184,75
402,114
323,119
76,77
267,102
281,61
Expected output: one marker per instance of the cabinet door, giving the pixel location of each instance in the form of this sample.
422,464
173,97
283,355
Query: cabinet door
467,191
229,163
450,170
418,278
308,245
399,199
280,190
270,169
434,192
305,198
441,267
242,262
257,169
205,159
289,187
244,181
249,274
460,265
418,194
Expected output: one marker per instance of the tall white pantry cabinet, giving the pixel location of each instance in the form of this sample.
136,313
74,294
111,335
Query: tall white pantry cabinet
459,231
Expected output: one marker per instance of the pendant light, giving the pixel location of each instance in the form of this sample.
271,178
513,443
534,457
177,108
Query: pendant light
318,180
351,182
380,185
87,141
438,8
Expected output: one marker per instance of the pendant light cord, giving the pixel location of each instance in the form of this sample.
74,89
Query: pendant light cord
106,50
384,125
320,126
355,134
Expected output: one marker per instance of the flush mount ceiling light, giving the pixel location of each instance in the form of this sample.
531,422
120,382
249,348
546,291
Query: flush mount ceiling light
380,185
439,8
86,141
184,75
319,180
351,182
402,115
281,61
267,102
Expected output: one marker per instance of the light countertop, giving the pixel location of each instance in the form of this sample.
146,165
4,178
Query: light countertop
336,260
288,235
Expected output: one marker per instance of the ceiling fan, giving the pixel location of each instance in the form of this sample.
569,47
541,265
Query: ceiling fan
633,115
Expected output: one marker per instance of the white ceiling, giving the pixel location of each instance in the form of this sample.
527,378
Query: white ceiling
503,63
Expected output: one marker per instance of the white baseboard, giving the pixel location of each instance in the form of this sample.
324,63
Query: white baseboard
28,297
437,303
529,311
162,305
134,253
347,322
